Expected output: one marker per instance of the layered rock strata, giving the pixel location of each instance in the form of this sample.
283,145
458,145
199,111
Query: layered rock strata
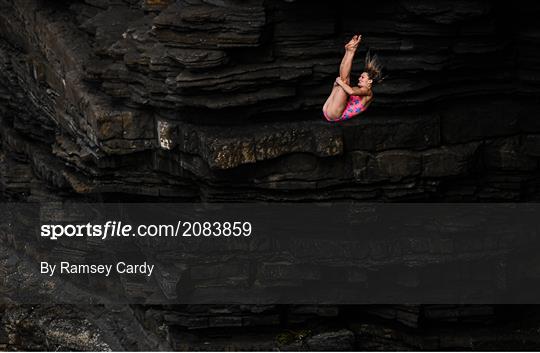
220,100
210,100
301,328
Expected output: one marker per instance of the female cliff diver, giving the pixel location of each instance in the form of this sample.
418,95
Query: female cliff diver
345,101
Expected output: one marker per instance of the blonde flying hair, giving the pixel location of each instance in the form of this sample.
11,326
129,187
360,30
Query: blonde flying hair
373,67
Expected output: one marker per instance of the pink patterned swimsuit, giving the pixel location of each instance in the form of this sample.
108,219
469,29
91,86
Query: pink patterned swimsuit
353,108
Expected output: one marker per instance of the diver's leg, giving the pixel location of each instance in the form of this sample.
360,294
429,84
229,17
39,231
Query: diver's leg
331,97
346,63
329,101
336,103
346,66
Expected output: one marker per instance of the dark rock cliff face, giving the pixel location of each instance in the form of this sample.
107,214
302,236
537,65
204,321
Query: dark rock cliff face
268,328
222,100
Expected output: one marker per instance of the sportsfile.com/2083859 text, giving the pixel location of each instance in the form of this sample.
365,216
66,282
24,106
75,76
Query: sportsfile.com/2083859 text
121,229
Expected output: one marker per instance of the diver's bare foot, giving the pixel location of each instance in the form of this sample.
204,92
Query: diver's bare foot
353,43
